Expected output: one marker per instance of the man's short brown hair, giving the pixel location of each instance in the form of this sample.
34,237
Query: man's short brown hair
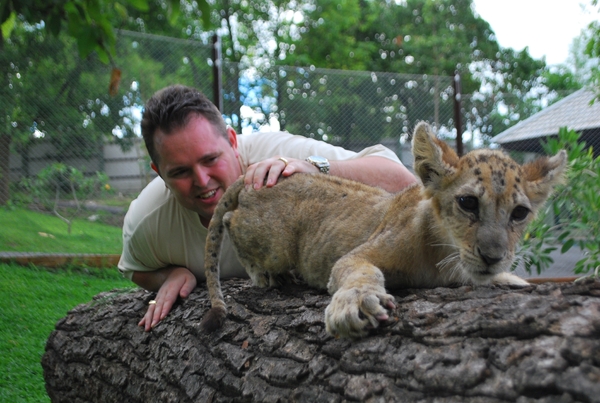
170,109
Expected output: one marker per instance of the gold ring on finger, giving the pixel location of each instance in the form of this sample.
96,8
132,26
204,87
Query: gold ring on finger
285,161
153,302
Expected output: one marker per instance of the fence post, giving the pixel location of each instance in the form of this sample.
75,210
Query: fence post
457,115
5,140
217,72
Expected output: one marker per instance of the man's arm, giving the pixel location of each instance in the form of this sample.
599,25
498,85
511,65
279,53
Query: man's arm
374,171
269,155
371,170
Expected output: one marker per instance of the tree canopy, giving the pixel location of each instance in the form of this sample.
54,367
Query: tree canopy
425,38
91,22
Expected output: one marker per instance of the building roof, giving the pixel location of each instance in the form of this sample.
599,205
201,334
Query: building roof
574,112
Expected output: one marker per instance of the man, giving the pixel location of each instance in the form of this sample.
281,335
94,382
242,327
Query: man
197,157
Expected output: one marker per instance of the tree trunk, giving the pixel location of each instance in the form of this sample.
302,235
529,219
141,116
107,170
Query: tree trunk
466,344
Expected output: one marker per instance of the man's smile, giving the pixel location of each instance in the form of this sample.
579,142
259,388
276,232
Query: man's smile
208,194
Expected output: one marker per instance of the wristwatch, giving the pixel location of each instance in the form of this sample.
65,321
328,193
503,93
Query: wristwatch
320,162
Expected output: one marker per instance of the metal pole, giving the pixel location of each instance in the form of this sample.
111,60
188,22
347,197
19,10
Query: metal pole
217,73
457,114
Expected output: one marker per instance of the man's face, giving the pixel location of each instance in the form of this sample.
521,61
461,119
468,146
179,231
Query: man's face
197,164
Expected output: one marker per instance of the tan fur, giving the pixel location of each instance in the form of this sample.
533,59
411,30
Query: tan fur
347,237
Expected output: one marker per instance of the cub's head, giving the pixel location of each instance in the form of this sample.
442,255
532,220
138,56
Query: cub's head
484,200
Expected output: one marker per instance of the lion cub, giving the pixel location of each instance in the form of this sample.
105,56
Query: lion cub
461,225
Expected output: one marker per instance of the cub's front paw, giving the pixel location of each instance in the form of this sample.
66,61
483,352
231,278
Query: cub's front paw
505,278
353,310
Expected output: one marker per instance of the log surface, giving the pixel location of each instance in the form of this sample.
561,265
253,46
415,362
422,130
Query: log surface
465,344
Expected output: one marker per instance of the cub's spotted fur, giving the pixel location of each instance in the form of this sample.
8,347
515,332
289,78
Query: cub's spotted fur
461,225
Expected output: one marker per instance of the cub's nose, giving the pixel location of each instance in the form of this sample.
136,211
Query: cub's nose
489,259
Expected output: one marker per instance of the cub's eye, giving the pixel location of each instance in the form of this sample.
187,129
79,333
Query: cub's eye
468,203
519,213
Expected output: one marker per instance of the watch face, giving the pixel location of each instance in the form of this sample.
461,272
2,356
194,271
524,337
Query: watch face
318,160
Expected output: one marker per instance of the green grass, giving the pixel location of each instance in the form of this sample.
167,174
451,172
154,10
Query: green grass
28,231
33,300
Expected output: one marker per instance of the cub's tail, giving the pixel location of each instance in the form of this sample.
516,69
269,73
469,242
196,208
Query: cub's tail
214,318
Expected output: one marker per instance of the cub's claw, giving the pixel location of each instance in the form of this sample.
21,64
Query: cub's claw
353,311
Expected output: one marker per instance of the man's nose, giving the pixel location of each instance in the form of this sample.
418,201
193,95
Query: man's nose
201,176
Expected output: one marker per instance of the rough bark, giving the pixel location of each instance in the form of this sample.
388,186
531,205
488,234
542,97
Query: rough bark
464,344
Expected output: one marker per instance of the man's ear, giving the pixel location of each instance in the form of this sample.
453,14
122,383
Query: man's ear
434,159
232,138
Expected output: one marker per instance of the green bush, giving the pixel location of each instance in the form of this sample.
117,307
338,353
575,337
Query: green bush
61,189
572,216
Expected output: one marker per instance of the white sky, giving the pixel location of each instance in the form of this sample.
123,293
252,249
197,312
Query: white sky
546,26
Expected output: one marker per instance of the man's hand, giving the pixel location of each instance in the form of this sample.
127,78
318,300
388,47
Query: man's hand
267,172
171,282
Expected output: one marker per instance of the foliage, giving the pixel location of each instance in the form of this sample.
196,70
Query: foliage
561,79
59,183
512,89
91,22
571,216
593,51
34,300
52,96
356,109
425,38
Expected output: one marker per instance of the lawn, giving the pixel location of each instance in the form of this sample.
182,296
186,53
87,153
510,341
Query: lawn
27,231
34,299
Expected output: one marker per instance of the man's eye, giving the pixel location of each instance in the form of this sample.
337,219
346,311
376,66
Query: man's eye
177,174
469,204
210,161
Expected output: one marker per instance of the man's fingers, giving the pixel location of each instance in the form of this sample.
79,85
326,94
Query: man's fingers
156,315
273,175
260,174
288,171
249,177
147,320
266,172
187,287
180,283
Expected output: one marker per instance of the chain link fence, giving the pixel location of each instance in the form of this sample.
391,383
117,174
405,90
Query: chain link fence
61,118
352,109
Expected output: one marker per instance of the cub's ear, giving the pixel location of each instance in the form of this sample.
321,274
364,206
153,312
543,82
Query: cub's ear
434,159
542,175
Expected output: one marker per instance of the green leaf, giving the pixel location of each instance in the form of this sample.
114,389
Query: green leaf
548,250
102,55
141,5
94,10
8,25
567,245
121,10
563,235
54,24
86,43
205,8
174,11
